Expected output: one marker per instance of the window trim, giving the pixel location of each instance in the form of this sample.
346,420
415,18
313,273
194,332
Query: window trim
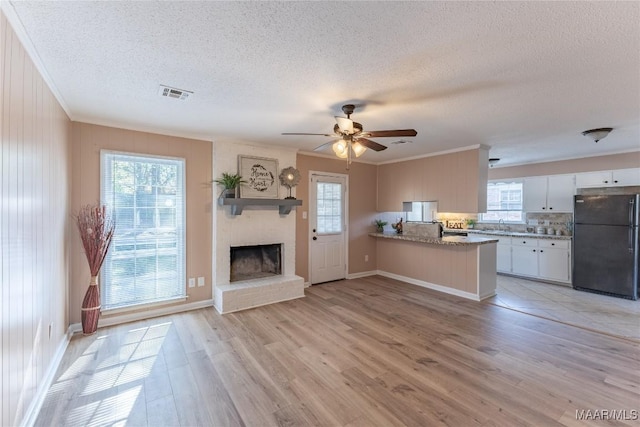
102,280
524,213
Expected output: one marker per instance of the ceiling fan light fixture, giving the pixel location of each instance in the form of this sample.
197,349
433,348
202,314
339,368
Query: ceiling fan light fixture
345,125
597,134
340,148
358,148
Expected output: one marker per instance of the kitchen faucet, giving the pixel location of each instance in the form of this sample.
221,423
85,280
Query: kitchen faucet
500,224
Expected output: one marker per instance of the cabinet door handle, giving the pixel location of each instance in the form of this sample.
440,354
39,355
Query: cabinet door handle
615,182
550,208
540,251
606,182
543,208
553,244
534,250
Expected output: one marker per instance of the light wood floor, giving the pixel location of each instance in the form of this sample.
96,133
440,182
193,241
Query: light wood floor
364,352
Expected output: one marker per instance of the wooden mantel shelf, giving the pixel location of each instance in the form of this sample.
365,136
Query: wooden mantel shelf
284,205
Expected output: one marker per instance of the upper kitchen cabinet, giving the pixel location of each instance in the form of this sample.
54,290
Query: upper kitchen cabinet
549,193
457,181
615,178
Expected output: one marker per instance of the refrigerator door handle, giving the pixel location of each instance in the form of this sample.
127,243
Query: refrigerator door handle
631,212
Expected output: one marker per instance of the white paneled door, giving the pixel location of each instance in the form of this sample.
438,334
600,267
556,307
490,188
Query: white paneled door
328,234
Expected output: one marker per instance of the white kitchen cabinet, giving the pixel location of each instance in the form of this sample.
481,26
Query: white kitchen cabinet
623,177
615,178
524,257
503,255
554,260
593,179
560,191
532,257
549,193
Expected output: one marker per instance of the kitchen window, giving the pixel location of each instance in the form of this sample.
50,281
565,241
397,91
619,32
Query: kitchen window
146,261
504,202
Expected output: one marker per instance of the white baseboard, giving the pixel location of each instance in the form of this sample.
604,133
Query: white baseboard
362,274
439,288
148,314
32,412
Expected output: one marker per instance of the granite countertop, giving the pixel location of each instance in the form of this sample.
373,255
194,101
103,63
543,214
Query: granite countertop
519,234
449,240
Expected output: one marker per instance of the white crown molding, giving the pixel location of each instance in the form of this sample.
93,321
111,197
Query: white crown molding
439,153
563,159
18,28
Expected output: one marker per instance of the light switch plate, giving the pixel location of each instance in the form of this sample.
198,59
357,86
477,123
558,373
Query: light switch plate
192,282
200,281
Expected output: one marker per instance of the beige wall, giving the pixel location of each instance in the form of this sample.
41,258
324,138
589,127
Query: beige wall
88,140
362,211
588,164
34,219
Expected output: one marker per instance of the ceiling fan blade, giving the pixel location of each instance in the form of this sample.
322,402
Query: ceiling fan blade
324,146
370,144
299,133
345,125
386,133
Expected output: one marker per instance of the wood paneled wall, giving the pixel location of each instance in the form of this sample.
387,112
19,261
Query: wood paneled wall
457,181
34,220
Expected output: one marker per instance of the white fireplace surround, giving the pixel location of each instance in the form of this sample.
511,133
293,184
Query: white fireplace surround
260,226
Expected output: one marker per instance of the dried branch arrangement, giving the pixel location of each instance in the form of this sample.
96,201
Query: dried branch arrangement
96,228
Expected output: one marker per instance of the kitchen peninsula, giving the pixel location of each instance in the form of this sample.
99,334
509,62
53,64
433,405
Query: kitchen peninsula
457,265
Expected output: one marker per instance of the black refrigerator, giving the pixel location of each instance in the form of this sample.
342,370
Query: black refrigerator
605,244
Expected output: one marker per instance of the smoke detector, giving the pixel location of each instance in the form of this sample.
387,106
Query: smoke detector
172,92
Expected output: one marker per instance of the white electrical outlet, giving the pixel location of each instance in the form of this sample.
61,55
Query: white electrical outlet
304,214
192,282
200,281
366,258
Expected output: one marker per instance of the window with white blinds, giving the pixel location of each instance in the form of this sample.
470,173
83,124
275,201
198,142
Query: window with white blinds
146,261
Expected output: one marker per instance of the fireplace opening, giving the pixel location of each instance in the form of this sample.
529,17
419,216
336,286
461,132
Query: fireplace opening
254,262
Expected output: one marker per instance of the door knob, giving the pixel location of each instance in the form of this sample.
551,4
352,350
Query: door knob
314,230
315,238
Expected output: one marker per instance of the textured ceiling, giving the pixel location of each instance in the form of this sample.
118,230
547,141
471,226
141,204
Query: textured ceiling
524,78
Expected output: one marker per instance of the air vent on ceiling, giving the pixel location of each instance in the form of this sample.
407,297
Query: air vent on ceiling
172,92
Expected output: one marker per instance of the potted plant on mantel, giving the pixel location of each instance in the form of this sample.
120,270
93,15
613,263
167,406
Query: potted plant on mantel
230,182
96,228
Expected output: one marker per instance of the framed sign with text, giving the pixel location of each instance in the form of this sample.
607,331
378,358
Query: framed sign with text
261,175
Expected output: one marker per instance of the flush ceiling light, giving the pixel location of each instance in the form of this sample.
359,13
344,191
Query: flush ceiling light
597,134
493,161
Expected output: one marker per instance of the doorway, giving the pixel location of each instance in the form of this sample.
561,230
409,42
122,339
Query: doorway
327,227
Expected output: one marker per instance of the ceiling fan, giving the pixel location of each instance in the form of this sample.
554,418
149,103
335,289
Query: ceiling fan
353,139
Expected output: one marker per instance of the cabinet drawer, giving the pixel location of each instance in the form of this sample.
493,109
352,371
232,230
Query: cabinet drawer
559,244
504,241
524,241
